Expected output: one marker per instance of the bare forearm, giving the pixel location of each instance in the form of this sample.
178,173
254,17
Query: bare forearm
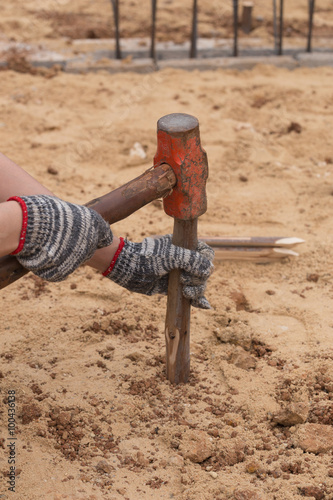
14,181
10,227
102,258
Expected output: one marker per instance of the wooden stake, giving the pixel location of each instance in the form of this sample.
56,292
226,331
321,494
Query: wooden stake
253,254
254,249
178,315
247,17
256,241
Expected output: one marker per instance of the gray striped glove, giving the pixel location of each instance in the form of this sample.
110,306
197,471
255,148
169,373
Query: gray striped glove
57,236
144,268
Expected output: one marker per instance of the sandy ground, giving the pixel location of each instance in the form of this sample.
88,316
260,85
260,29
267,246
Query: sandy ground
56,24
95,416
86,358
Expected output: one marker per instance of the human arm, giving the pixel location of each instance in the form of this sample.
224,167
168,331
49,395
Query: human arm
56,237
10,227
15,181
139,267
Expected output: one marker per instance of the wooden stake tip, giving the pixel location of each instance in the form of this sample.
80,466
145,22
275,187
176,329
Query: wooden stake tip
289,241
285,251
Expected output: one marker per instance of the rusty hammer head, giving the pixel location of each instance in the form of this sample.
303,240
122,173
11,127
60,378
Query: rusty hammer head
178,145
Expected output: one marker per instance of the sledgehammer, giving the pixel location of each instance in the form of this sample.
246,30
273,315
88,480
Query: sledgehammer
178,145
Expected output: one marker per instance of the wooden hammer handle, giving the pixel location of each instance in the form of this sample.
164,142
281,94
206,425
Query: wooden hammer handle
113,207
177,323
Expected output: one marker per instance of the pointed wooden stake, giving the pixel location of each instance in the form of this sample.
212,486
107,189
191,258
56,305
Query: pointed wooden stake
254,241
253,254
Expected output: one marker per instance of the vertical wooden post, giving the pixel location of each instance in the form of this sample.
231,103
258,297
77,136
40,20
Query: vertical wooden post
247,17
178,315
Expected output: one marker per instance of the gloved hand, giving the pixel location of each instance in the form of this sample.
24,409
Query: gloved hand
57,236
144,267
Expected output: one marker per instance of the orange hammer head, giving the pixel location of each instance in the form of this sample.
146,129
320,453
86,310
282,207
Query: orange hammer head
178,145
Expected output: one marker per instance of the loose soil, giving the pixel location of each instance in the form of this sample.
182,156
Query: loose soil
58,23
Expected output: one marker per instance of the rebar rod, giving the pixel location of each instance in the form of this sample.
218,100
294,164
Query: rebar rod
153,30
194,34
275,28
281,29
311,12
115,7
235,8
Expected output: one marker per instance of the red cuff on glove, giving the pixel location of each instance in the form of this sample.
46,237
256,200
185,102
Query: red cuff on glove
24,223
115,257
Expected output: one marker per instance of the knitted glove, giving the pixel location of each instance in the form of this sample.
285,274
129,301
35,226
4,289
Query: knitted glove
57,236
144,267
